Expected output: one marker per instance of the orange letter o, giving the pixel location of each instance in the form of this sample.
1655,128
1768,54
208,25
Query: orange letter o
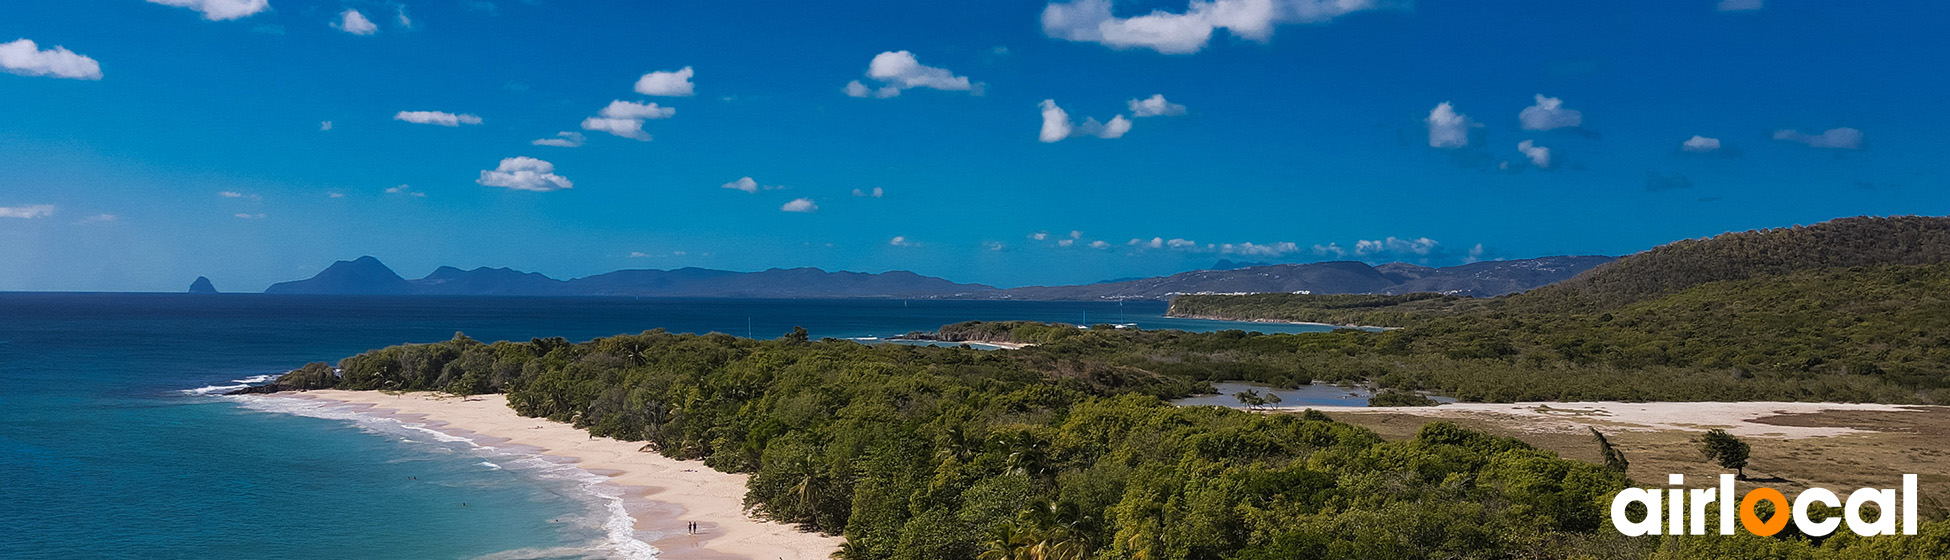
1751,520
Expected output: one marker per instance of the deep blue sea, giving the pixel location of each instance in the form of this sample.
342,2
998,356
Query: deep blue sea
112,444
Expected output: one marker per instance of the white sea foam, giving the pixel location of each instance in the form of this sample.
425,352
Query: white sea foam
618,526
235,384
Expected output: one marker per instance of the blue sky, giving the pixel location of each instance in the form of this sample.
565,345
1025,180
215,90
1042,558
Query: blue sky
145,142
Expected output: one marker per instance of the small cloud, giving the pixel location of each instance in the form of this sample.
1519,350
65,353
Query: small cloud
1057,125
994,246
1421,246
1655,182
324,126
1738,5
1448,128
667,84
802,205
335,194
404,21
751,186
249,216
563,140
525,174
441,118
1184,33
1039,236
235,194
627,128
406,190
351,21
25,58
1700,145
1835,138
219,10
1065,242
27,212
1539,156
875,193
900,241
628,110
900,70
625,119
639,255
1155,106
1549,114
1099,244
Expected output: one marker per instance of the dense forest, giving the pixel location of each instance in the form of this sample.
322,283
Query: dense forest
1056,452
1068,450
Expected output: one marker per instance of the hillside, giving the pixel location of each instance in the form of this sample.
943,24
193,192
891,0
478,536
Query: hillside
1338,277
1788,313
368,276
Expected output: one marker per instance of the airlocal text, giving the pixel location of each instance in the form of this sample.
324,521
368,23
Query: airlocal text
1685,510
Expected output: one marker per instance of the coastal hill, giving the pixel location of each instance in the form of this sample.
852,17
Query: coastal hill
1490,278
368,276
1847,310
202,285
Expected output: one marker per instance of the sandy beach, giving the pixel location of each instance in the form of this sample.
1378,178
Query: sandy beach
688,489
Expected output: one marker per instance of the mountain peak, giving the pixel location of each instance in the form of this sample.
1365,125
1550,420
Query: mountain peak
202,285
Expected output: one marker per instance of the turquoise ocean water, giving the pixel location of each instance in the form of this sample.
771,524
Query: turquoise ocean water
113,445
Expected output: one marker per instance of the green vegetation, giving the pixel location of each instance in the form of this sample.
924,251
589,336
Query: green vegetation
1059,451
1067,450
1852,310
1725,450
1613,458
1398,397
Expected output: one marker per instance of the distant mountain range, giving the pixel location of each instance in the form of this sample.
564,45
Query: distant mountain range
368,276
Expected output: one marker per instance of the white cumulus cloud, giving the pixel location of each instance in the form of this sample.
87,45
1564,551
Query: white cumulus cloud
563,140
436,117
1448,128
351,21
1835,138
1057,125
900,70
625,119
1189,31
219,10
324,126
627,110
27,212
1699,144
742,184
1155,106
525,174
1539,156
667,84
27,59
1549,113
900,241
802,205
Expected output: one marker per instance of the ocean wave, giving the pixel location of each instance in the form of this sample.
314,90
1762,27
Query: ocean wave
618,526
235,384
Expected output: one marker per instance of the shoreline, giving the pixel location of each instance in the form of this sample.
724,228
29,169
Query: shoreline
662,495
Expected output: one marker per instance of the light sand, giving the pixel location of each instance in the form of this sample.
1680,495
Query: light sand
1737,418
711,498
